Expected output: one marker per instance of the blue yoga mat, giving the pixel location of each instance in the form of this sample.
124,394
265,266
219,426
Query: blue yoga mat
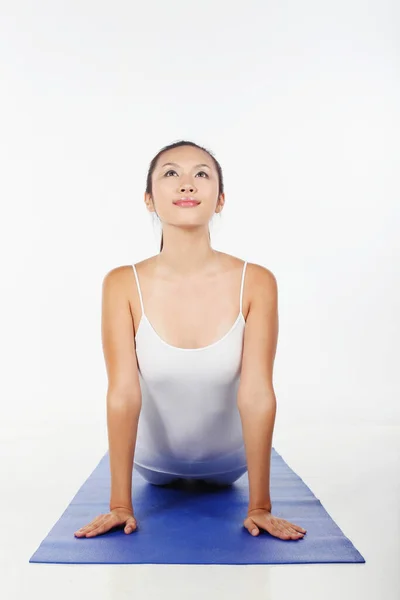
191,522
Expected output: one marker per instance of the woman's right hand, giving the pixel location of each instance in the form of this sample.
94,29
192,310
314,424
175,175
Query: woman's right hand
103,523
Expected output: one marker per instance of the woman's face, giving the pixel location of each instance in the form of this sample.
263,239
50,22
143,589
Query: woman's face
192,174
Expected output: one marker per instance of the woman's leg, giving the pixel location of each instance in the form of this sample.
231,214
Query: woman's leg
155,477
226,478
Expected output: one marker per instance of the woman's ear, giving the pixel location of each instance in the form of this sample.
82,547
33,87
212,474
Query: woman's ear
149,202
220,203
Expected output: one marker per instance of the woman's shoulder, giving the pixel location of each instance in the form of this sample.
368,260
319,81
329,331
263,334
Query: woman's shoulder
123,270
254,270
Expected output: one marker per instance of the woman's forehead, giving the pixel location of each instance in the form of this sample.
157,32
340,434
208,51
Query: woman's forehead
186,157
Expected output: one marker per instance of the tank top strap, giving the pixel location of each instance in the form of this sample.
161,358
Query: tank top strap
138,288
242,286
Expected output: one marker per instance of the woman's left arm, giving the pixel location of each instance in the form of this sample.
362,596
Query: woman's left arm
256,397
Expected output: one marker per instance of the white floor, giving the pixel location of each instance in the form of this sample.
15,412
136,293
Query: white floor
355,472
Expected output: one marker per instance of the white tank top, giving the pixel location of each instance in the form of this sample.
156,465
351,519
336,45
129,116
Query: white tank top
189,422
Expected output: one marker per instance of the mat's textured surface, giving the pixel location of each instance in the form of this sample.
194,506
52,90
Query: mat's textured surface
191,523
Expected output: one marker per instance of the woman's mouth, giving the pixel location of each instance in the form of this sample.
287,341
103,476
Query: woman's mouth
187,203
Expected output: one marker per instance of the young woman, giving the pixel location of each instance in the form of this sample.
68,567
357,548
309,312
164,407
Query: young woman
189,339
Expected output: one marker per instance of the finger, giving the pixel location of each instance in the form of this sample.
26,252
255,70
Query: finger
251,527
94,526
296,534
286,528
96,520
296,527
281,531
102,528
93,523
273,526
291,528
277,527
254,530
130,526
296,530
291,533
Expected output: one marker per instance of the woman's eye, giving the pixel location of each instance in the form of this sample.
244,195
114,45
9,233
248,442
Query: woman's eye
172,171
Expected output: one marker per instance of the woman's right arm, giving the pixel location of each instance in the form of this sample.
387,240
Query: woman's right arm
124,399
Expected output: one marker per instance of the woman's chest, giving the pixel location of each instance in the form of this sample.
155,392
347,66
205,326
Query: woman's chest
190,314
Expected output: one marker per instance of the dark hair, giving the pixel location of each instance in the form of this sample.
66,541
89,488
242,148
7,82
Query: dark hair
176,145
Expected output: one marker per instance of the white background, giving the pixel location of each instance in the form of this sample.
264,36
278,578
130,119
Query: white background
299,101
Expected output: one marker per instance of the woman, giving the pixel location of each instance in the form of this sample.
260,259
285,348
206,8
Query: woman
190,391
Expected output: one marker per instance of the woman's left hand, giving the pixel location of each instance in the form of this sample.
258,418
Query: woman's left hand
280,528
